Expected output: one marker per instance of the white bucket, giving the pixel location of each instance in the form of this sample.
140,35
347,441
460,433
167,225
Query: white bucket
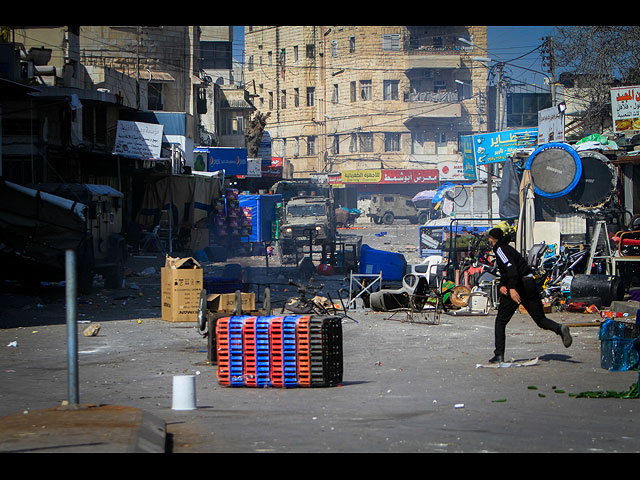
184,392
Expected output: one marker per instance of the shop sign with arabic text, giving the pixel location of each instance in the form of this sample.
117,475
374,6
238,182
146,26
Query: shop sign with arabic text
625,108
390,176
498,146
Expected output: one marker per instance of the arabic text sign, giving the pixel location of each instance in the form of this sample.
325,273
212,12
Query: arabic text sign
625,108
361,176
390,176
497,146
138,139
550,126
468,161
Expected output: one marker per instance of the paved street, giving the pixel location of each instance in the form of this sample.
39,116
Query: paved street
407,387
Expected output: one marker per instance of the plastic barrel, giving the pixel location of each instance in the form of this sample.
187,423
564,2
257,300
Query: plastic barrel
606,287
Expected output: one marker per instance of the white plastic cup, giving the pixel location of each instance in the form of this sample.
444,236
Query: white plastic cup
184,392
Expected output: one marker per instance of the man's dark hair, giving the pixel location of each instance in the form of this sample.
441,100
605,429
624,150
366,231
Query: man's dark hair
496,233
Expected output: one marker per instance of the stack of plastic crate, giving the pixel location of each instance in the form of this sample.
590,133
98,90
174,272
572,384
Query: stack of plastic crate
279,351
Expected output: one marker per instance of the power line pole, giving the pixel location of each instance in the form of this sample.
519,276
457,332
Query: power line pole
548,60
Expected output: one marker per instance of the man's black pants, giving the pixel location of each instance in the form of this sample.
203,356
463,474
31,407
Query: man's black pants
530,298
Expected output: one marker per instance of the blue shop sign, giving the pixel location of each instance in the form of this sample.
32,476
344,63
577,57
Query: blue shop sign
468,160
496,147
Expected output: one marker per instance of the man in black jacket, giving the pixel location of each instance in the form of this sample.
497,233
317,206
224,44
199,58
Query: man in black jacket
517,286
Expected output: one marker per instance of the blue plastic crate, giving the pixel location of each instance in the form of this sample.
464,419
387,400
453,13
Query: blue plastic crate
263,370
289,350
617,351
236,354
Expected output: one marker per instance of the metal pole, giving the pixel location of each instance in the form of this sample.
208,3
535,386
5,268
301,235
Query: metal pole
72,326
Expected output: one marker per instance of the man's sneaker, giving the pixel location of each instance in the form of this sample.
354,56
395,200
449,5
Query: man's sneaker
497,359
566,336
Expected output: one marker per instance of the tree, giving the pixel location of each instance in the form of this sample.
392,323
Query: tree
255,131
597,58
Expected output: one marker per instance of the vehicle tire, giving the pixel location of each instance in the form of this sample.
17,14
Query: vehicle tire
387,218
266,302
413,220
423,218
376,220
202,311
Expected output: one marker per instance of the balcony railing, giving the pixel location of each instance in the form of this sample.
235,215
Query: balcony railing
445,97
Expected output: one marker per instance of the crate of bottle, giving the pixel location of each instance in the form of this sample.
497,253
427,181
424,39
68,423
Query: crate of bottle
279,351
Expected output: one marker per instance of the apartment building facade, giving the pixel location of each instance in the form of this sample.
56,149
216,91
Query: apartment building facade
367,97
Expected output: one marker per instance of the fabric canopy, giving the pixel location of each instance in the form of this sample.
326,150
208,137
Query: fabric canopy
424,195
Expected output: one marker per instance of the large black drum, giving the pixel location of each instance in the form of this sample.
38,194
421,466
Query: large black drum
555,168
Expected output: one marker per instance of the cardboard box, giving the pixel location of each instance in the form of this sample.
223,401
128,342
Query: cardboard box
181,282
226,302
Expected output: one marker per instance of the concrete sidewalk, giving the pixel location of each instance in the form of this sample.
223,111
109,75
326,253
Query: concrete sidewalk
83,428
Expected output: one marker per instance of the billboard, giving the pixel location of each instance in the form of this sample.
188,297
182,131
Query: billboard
468,160
211,159
389,176
550,126
495,147
625,108
138,139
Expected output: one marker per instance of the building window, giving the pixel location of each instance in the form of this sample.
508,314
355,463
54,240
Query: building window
334,95
311,145
311,96
334,48
296,147
417,142
295,53
352,44
154,96
233,124
215,55
353,91
283,102
250,63
269,59
390,88
311,50
270,100
365,89
391,42
366,142
296,97
335,144
353,143
392,142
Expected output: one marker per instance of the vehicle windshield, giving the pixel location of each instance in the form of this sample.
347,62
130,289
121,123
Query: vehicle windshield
306,210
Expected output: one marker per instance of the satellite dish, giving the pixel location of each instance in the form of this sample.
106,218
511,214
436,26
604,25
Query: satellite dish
555,169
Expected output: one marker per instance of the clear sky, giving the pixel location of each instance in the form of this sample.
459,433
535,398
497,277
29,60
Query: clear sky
508,43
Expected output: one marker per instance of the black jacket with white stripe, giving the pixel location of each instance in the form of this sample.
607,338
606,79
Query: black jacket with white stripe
513,267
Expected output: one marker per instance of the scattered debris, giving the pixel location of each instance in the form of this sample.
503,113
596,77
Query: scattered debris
92,330
526,363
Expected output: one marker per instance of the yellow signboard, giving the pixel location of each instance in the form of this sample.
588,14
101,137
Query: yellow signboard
361,176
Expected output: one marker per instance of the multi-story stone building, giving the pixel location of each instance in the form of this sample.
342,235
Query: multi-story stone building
367,97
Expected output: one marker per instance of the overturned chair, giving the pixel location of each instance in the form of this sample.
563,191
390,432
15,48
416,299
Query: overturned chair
419,296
